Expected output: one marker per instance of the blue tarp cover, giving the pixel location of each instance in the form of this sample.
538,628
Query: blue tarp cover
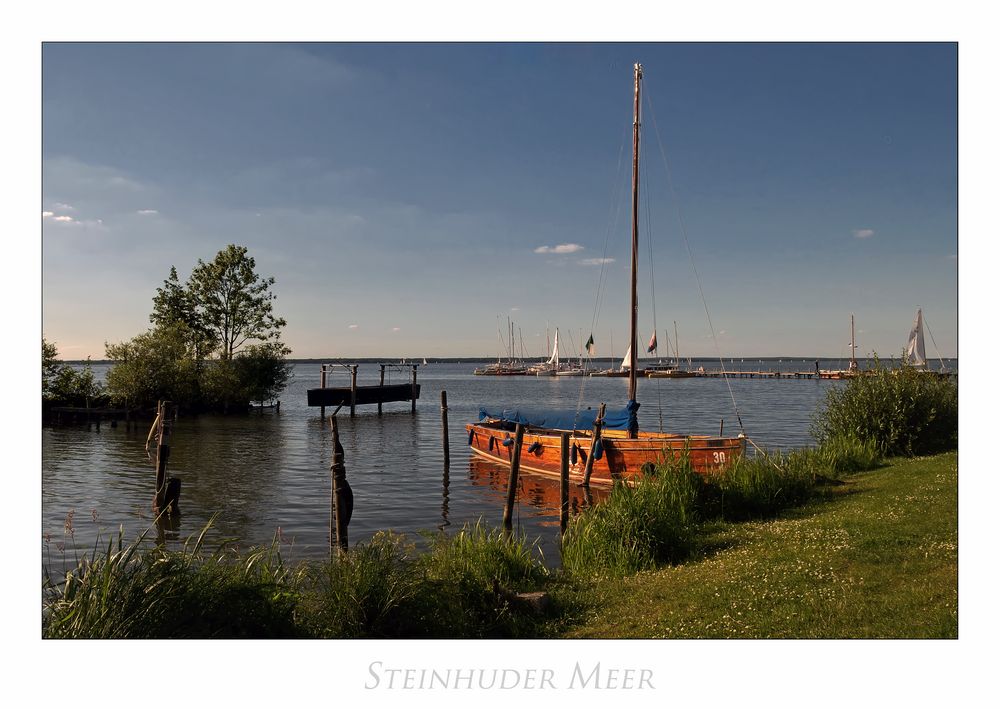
566,419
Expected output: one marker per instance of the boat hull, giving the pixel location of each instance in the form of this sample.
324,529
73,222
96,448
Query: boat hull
623,458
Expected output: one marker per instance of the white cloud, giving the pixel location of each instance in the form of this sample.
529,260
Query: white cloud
395,329
147,212
352,327
63,207
559,249
46,214
595,261
514,309
63,218
864,233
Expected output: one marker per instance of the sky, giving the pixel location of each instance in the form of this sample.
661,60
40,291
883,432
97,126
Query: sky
409,198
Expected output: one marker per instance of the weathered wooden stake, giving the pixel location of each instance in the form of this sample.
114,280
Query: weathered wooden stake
598,425
515,466
444,427
413,391
721,423
322,385
341,497
354,387
381,382
164,429
563,481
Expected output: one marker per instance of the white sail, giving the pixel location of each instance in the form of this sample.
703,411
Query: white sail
626,363
915,346
554,359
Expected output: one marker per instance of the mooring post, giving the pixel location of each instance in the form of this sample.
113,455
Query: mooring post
322,385
341,495
413,391
598,425
563,481
515,465
444,427
381,383
721,424
354,387
165,423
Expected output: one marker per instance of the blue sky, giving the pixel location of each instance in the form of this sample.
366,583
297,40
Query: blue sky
403,195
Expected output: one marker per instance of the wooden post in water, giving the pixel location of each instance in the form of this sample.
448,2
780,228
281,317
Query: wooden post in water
563,481
341,497
515,465
381,383
413,391
354,387
164,428
444,427
721,424
322,385
598,425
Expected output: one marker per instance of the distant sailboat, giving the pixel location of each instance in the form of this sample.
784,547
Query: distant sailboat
915,345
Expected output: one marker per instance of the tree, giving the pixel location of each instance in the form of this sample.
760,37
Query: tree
50,366
235,303
263,370
158,364
175,303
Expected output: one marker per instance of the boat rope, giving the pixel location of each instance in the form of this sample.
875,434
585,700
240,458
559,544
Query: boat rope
687,246
940,358
652,291
614,217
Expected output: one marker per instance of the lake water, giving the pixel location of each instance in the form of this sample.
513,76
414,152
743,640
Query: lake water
259,472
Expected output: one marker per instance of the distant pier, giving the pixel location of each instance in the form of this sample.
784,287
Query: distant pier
354,395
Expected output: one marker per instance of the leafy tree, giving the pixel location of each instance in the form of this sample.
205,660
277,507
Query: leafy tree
50,366
263,370
176,303
234,302
158,364
64,383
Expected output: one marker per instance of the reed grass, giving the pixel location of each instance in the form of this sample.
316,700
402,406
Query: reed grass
902,411
637,527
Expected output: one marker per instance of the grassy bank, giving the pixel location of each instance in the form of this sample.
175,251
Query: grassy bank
874,557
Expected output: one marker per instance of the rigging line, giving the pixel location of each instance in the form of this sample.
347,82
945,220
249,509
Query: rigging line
614,214
687,246
940,358
652,290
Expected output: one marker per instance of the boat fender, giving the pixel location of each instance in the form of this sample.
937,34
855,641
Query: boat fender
508,442
471,434
536,446
599,449
572,455
491,442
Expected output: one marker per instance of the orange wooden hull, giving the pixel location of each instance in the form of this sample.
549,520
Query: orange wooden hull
623,457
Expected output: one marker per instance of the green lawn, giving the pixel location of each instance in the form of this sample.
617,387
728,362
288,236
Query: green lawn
876,557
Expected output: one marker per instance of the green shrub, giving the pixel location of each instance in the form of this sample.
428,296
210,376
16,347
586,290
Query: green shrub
758,487
900,411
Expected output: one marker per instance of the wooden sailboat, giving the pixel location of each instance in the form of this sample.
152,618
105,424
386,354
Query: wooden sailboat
619,449
670,370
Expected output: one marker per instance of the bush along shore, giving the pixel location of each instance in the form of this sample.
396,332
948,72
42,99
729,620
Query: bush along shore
831,541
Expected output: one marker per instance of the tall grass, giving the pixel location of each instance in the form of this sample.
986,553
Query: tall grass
134,591
902,411
366,592
638,526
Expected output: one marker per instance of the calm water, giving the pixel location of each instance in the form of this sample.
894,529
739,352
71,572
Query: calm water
264,471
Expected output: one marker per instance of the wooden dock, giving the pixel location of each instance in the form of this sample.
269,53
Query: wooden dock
354,395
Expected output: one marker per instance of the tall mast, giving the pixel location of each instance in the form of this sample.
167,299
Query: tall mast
633,357
854,363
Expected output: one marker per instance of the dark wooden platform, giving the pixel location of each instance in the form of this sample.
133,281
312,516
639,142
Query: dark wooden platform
374,394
